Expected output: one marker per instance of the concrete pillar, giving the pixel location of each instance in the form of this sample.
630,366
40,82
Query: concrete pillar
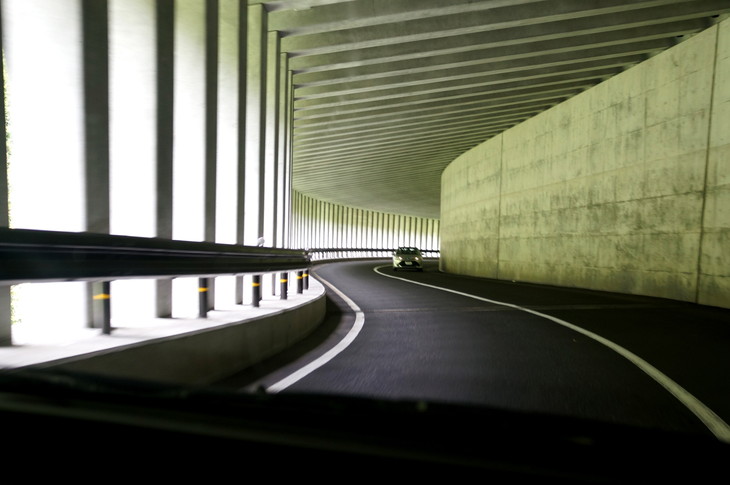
336,224
255,124
349,229
211,119
323,225
371,229
95,46
96,113
288,152
283,169
394,227
330,242
379,230
271,140
211,131
165,48
242,284
307,235
5,308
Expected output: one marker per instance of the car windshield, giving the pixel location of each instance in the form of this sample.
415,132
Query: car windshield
474,239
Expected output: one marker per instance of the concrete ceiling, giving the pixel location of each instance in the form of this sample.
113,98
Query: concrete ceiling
388,92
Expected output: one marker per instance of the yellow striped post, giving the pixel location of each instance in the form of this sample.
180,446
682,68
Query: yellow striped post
203,297
256,286
101,306
284,285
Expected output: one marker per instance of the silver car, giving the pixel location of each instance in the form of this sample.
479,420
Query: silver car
407,258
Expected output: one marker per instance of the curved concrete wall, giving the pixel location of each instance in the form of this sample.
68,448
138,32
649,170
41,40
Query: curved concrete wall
623,188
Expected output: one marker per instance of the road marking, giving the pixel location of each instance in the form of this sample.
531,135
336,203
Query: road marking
709,418
329,355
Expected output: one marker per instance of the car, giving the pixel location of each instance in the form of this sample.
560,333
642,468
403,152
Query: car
406,257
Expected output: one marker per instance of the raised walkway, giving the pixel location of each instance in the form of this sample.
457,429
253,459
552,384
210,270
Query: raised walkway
185,350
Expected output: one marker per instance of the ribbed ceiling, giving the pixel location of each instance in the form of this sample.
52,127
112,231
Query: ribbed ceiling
388,92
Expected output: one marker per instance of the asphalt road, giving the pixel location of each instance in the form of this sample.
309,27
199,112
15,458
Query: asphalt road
437,337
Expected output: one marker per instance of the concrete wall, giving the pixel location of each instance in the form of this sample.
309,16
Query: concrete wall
623,188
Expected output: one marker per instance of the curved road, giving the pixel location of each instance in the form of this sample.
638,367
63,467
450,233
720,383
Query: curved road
438,337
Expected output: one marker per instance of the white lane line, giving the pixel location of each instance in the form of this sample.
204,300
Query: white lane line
714,423
329,355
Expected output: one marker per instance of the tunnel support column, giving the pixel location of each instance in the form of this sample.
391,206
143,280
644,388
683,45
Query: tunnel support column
5,295
94,17
255,124
212,10
165,52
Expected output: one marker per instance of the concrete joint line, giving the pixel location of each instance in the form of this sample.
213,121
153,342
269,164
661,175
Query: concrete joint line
707,165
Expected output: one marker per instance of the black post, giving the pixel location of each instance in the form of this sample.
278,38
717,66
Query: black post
256,285
306,280
299,281
102,306
284,284
203,297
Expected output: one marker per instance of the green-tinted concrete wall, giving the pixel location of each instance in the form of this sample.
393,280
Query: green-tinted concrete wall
625,187
714,280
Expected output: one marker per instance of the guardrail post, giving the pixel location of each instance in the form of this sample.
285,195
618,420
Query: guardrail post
256,287
284,285
203,297
300,277
101,306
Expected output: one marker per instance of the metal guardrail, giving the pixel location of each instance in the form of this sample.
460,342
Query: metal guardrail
319,254
28,255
